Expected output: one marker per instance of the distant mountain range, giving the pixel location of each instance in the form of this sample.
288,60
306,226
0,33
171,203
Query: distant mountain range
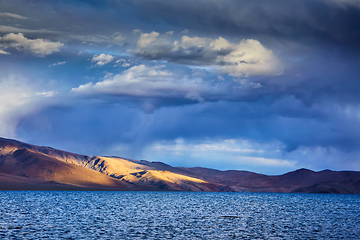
29,167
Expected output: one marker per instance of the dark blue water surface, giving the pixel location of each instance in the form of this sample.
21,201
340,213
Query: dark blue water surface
177,215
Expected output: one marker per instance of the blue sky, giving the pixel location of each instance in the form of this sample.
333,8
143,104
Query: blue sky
250,85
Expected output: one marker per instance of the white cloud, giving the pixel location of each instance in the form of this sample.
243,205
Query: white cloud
57,64
13,15
114,39
122,63
230,146
11,29
260,161
242,153
18,97
119,38
248,57
186,31
102,59
187,42
150,82
40,47
3,52
146,39
156,86
206,148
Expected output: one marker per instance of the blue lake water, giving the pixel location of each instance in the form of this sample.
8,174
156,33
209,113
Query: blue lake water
177,215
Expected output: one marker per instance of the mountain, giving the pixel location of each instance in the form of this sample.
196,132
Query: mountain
28,167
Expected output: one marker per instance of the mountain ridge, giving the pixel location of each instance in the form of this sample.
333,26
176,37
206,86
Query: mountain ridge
25,166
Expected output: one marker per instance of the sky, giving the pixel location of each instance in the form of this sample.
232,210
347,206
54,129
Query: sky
256,85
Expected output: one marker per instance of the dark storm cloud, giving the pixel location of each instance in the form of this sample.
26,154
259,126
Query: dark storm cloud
65,20
288,121
308,21
320,31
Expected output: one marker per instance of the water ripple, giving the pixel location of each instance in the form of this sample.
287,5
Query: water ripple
177,215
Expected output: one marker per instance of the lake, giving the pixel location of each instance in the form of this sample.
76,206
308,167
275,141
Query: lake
177,215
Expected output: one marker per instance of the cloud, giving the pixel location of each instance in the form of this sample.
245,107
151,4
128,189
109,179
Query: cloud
240,153
260,161
11,29
57,64
156,86
18,98
225,146
285,130
39,46
3,52
279,20
114,39
152,83
345,3
248,57
12,15
102,59
146,39
123,63
186,31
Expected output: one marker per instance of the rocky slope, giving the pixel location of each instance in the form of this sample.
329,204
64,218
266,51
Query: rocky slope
25,166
